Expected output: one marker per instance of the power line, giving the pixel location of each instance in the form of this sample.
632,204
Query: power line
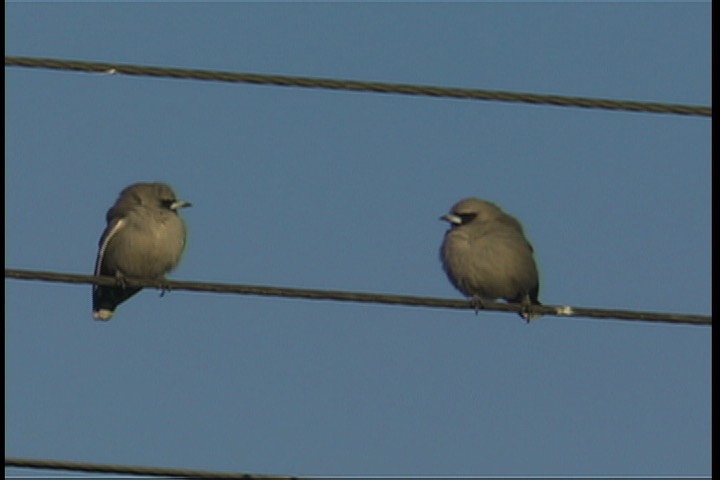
355,85
359,297
133,470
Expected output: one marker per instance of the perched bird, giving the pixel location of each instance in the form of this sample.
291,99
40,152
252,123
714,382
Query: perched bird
486,256
144,239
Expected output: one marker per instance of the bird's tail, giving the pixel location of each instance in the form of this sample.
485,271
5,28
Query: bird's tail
106,300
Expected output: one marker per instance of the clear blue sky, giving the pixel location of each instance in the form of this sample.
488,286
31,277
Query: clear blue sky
340,190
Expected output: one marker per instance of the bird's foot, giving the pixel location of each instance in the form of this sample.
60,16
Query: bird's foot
478,303
120,280
164,287
526,310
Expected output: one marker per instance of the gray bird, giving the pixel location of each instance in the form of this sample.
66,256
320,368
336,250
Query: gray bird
144,239
486,256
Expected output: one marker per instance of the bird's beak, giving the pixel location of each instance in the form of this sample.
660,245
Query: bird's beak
180,204
450,218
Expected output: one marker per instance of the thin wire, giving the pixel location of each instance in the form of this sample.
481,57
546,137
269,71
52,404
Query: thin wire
200,474
354,85
133,470
343,296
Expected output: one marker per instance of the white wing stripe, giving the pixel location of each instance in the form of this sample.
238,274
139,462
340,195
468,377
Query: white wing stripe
113,230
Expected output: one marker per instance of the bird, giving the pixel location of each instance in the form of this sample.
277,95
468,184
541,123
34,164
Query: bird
486,255
143,240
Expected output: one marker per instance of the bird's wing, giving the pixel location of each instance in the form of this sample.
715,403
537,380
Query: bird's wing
110,231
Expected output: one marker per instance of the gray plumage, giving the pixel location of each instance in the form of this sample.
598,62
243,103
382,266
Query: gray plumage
486,256
144,239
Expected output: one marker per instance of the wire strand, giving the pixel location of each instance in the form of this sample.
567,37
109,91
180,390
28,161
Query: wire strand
354,85
359,297
133,470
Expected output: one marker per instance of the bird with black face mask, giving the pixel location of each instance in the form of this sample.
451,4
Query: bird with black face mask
143,240
486,255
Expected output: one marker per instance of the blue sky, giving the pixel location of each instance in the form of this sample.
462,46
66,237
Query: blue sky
339,190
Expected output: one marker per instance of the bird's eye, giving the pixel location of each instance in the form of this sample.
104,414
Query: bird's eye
166,203
467,217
